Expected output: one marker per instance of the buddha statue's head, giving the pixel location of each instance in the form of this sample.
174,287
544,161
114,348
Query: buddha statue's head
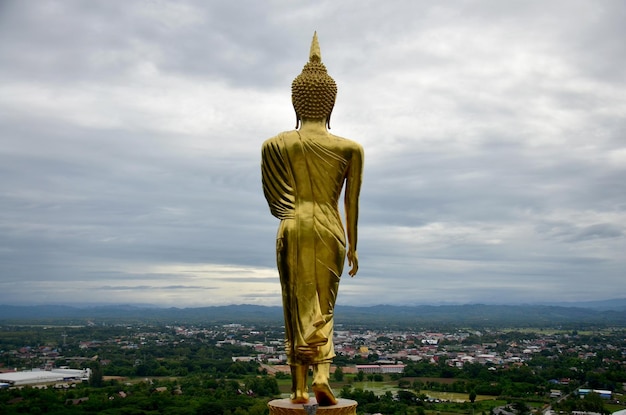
313,92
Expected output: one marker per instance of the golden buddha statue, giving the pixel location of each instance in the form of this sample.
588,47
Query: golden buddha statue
304,172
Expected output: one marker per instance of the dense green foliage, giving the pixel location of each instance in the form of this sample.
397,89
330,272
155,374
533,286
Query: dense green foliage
175,370
191,395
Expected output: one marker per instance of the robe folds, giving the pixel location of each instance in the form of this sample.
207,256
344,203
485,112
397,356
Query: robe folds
302,182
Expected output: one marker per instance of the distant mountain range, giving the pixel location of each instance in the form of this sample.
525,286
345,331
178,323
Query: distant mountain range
596,313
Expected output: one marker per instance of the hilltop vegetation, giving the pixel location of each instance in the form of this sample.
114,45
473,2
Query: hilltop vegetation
228,369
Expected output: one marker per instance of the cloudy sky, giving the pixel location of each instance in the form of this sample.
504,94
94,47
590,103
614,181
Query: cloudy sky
130,133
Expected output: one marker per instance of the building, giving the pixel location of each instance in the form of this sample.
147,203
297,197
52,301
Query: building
380,368
38,376
604,394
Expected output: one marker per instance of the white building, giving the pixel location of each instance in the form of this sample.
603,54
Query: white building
380,368
37,376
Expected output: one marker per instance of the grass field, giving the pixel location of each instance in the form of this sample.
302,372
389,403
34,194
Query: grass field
380,388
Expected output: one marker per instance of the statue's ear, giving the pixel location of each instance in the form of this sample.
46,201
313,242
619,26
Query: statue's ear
328,118
297,120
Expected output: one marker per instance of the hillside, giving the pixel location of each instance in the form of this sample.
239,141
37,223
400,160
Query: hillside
381,315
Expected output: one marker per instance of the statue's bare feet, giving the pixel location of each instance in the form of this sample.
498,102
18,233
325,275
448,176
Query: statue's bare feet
299,390
300,397
324,394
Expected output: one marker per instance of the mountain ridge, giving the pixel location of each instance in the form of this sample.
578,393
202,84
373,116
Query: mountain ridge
610,313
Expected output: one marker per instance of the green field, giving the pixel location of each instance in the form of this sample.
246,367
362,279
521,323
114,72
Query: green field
455,397
380,388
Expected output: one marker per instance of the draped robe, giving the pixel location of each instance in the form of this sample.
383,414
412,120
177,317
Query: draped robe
302,181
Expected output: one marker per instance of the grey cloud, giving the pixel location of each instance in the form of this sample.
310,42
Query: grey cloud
571,232
261,295
492,134
598,231
152,287
102,41
273,280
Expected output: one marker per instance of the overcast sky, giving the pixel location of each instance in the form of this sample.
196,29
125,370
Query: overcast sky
130,133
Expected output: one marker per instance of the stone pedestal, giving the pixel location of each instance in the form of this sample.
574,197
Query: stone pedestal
285,407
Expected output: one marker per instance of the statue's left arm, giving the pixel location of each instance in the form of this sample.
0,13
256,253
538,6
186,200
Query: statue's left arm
354,178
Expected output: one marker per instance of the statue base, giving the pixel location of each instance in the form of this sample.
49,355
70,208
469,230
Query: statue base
286,407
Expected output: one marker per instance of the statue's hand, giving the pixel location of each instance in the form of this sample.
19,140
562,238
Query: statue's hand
353,261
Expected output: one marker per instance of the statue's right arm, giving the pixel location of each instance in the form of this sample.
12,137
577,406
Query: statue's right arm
353,188
267,169
277,187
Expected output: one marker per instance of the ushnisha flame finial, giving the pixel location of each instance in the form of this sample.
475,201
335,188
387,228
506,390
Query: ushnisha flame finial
313,92
316,54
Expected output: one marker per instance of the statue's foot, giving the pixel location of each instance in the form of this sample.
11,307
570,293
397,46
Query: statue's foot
324,394
299,397
299,374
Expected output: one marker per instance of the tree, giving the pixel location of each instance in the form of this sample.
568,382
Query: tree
208,407
472,396
593,403
404,384
407,397
338,375
521,407
95,379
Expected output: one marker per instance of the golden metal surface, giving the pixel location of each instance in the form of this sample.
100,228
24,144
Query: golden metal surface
286,407
304,172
